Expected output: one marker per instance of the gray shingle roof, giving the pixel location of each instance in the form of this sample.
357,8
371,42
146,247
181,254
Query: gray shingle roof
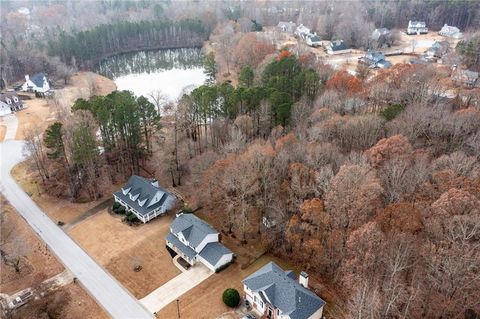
189,252
212,252
152,196
37,79
193,228
284,292
338,45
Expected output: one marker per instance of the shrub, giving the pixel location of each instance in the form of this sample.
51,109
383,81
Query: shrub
131,218
231,297
391,111
121,210
116,206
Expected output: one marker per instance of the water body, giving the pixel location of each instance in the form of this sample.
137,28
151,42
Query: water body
170,71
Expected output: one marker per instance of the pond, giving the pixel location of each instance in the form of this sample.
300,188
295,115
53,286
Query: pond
170,71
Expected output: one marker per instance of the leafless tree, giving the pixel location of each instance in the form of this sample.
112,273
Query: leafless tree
159,99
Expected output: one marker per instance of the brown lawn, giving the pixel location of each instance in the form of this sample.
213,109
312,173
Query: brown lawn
117,247
205,300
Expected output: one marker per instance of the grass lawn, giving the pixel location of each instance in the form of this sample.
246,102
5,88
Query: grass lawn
117,247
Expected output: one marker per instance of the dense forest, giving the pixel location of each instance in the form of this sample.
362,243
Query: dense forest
85,48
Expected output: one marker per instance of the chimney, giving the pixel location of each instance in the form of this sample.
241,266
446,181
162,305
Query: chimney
27,77
155,183
303,279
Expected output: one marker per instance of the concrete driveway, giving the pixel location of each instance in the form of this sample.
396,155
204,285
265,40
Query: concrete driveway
176,287
109,294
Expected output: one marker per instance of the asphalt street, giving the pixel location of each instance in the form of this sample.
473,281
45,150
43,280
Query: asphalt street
108,293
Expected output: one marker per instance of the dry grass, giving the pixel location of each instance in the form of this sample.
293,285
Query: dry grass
3,131
40,263
78,305
58,209
205,300
116,246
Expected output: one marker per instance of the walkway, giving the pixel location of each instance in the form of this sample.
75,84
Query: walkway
109,294
176,287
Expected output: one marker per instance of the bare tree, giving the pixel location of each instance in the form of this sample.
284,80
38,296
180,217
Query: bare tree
160,100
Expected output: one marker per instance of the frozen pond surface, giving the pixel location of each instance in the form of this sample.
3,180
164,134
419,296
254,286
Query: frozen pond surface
170,71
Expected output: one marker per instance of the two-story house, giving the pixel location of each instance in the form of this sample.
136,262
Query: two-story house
144,198
37,83
10,102
417,27
196,241
277,294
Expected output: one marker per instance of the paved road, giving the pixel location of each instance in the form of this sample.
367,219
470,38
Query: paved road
11,122
100,284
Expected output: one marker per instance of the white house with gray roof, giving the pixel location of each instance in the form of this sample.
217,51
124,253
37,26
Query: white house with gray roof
196,241
144,198
277,294
36,83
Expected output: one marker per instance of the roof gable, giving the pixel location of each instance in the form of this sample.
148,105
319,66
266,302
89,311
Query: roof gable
192,228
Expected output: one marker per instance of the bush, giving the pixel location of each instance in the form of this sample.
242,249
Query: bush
231,297
131,218
121,210
391,111
116,206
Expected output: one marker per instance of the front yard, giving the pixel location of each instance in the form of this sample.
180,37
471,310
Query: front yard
119,248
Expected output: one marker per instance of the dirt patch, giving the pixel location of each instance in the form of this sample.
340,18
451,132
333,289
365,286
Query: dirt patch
41,112
119,247
70,301
58,209
37,265
205,300
3,131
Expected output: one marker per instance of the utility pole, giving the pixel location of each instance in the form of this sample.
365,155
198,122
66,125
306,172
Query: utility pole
178,309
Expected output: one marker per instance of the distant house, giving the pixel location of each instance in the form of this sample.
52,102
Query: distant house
417,27
313,40
276,293
144,198
450,32
10,102
466,78
437,50
288,27
338,47
302,31
196,241
382,37
38,83
375,60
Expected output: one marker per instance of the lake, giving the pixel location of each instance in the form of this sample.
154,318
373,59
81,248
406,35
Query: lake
170,71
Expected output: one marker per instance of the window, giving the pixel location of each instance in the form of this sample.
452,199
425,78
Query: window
9,101
15,99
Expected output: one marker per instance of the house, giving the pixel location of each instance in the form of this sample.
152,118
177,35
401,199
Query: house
466,78
302,31
437,50
288,27
417,27
196,241
338,47
375,60
313,40
144,198
10,102
276,293
450,32
382,37
38,83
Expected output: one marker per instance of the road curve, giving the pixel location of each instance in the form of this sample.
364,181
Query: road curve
115,299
